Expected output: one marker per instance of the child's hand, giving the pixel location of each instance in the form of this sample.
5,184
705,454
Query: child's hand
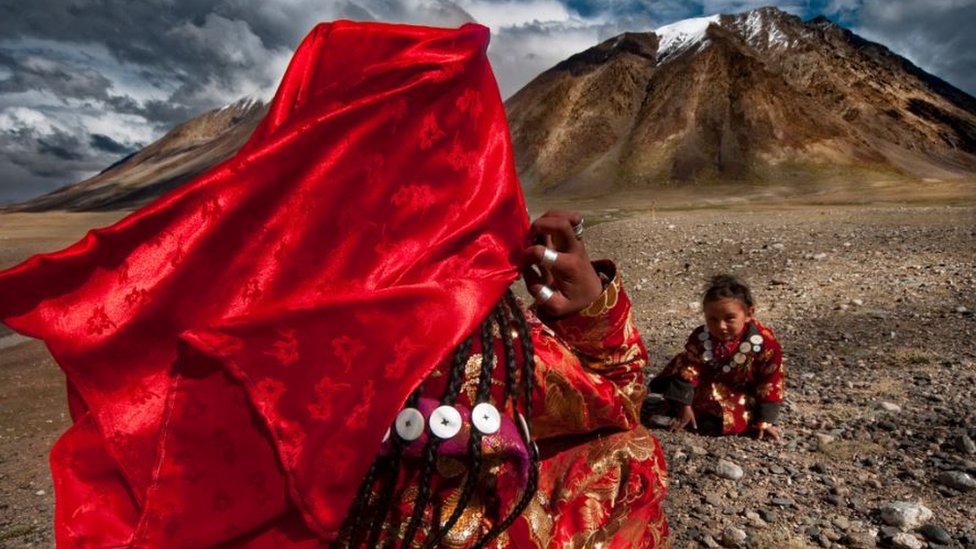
684,417
767,430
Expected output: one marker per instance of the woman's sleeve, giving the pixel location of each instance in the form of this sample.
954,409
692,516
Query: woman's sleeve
589,367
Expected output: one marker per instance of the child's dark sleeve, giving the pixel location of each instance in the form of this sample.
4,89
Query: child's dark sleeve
680,377
770,379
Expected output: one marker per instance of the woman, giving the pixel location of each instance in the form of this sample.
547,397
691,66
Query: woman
237,351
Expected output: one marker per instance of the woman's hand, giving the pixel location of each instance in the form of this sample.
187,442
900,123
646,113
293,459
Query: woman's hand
568,273
684,417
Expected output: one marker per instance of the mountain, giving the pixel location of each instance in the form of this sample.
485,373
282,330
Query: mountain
186,151
756,97
761,96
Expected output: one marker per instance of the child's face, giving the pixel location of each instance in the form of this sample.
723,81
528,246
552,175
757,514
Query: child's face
726,318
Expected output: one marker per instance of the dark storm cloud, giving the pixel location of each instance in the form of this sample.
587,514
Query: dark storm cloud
60,145
937,36
35,72
107,144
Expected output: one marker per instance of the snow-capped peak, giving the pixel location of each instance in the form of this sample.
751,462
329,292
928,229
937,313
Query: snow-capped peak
678,36
761,31
244,103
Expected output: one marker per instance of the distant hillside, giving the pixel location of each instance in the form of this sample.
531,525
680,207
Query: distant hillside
188,150
758,96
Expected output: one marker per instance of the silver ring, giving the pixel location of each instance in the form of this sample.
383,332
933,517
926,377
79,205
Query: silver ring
545,294
549,257
578,230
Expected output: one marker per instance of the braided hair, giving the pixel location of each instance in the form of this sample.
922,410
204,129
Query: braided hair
366,518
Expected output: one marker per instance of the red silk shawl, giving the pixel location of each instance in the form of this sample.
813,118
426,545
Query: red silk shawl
370,222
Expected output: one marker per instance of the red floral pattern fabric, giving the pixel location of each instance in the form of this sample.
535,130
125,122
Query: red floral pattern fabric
235,350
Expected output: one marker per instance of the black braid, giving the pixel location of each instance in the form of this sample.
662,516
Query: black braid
389,486
433,441
351,532
503,314
528,377
504,320
474,440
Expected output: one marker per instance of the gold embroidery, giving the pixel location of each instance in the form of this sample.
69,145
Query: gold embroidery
606,302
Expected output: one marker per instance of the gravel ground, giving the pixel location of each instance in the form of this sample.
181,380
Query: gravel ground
873,307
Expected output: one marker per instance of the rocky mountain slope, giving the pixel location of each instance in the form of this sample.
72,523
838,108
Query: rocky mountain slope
758,96
186,151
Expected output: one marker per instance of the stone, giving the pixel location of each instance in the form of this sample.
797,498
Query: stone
905,540
966,444
713,498
935,533
888,426
660,420
733,537
729,470
860,540
708,541
889,407
782,502
824,440
842,523
906,515
957,480
767,515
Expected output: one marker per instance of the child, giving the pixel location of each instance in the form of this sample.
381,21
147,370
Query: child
730,377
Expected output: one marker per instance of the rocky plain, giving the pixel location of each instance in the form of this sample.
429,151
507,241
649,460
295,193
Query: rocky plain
873,303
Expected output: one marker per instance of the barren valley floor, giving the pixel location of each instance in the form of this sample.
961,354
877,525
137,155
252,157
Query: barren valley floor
872,302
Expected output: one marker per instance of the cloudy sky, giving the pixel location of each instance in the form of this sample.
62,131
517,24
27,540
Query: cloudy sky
85,82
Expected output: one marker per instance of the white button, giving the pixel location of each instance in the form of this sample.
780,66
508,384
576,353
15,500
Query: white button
525,427
444,422
739,358
744,347
486,418
703,336
726,368
707,356
756,348
755,339
708,344
386,435
409,424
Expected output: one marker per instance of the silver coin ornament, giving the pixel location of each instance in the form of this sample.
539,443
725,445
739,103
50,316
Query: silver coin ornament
726,368
409,424
756,348
739,358
708,344
485,418
756,339
707,355
744,347
703,336
445,422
